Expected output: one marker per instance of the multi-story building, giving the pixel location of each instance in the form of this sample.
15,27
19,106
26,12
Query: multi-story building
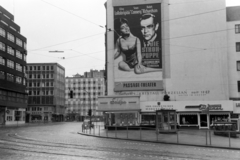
82,94
13,53
46,92
188,62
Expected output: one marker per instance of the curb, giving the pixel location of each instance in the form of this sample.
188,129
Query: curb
170,143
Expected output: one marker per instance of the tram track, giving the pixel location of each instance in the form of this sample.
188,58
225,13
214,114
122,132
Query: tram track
17,143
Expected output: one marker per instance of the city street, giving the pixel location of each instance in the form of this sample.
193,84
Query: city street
62,141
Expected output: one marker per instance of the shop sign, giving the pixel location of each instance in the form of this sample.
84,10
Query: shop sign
158,107
118,101
211,107
237,104
136,86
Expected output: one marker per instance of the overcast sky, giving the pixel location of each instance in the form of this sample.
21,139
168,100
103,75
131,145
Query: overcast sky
72,26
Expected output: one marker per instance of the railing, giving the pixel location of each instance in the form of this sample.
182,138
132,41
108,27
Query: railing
185,137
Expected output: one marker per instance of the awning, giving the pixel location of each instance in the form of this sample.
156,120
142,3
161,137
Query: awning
188,113
120,111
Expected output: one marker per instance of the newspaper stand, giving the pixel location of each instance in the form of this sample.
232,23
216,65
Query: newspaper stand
166,121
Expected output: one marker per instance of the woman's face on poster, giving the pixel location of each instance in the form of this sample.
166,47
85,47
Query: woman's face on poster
124,28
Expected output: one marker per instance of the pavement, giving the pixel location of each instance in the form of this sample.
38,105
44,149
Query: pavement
202,138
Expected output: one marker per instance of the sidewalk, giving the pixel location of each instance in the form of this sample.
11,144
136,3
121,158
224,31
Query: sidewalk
202,138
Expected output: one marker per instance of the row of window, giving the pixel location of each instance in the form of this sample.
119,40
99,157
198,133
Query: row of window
11,38
84,88
42,84
75,94
10,64
40,76
12,78
11,51
40,93
40,99
39,68
84,82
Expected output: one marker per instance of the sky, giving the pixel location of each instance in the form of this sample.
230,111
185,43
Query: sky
75,27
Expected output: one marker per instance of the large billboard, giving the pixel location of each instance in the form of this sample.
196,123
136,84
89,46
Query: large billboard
137,47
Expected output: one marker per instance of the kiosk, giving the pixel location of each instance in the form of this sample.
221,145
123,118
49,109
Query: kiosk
166,121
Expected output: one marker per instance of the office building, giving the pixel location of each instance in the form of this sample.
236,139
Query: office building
46,92
13,53
82,93
188,58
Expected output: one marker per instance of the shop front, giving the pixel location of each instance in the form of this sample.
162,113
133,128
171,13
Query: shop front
120,110
190,114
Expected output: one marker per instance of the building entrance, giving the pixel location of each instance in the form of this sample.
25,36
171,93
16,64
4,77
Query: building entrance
203,121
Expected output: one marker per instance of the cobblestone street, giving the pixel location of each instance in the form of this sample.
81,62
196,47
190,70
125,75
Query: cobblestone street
61,141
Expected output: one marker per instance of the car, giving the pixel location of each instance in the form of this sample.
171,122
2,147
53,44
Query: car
87,124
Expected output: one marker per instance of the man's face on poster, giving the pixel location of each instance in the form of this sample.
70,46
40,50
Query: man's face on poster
148,28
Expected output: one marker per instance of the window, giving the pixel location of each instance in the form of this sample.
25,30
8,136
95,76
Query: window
39,68
18,80
2,32
10,37
2,46
24,57
238,86
238,47
238,65
2,75
10,64
10,77
18,54
47,68
2,60
30,68
18,67
19,42
24,81
25,45
10,50
237,28
51,67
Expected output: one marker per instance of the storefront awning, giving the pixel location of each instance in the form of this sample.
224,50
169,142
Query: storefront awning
122,111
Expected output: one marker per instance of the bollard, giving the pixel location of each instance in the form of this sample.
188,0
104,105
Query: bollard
229,135
210,137
157,134
127,132
140,133
177,137
115,131
94,130
99,131
107,131
206,138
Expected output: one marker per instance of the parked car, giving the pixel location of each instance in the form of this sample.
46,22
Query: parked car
87,124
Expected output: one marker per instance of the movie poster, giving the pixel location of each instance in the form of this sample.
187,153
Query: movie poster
137,38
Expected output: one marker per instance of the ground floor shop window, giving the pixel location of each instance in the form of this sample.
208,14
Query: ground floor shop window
188,119
219,118
36,117
121,119
148,119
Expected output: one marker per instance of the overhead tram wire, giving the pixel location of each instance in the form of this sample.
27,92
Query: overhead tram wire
64,42
73,14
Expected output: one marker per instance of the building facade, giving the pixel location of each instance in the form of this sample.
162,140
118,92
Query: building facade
188,55
46,92
82,93
13,53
